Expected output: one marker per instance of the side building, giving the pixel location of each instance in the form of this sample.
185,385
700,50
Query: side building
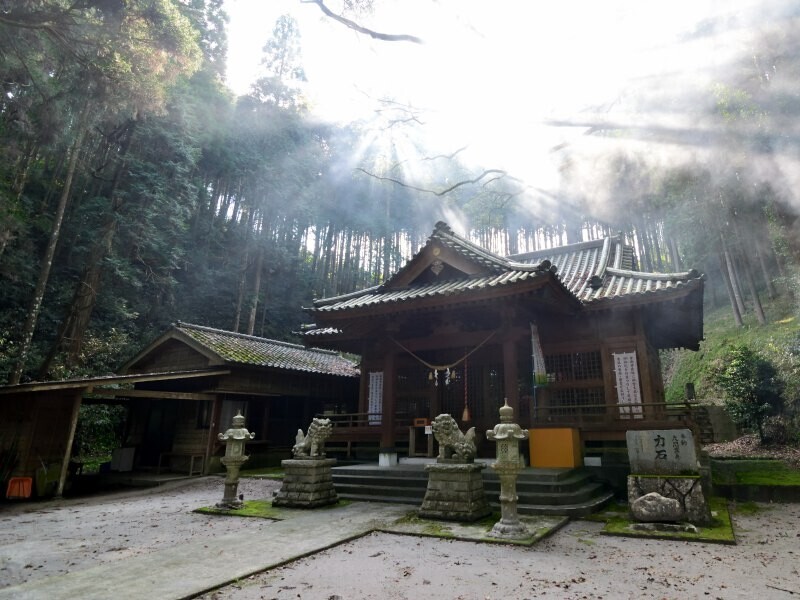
180,392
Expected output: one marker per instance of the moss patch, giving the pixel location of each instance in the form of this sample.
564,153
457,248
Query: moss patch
263,509
263,473
719,532
478,531
754,472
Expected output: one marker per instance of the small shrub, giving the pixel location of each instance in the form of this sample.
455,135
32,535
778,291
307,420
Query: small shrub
751,387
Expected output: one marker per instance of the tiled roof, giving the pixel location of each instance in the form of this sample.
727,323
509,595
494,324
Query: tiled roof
262,352
502,272
605,269
377,296
595,271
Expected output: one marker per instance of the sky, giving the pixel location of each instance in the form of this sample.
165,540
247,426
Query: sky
514,83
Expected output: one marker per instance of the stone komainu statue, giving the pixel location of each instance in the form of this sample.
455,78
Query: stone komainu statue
452,443
312,445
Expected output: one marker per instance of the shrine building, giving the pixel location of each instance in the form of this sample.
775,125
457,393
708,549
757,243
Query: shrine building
570,336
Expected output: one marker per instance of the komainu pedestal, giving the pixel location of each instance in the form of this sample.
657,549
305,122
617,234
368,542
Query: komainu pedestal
307,478
455,492
307,483
455,484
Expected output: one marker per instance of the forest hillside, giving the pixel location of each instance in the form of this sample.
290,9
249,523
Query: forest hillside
136,189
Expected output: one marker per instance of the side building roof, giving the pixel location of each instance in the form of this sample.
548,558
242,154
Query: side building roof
229,348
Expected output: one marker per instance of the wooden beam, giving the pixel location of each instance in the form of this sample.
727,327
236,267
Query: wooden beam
73,425
91,382
100,393
247,393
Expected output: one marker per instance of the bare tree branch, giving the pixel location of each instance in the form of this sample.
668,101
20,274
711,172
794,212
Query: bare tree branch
386,37
447,156
500,174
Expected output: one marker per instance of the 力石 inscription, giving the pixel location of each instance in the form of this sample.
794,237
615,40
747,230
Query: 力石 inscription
662,452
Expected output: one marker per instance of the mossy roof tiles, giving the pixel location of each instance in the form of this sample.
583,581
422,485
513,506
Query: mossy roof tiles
262,352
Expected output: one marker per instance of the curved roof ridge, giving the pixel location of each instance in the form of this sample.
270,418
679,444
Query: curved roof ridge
690,274
443,231
340,297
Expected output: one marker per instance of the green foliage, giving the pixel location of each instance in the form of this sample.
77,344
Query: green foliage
750,384
99,430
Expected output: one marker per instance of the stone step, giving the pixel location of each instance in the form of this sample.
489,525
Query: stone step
569,492
535,486
391,492
579,509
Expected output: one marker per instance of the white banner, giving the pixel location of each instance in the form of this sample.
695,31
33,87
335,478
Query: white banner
629,396
375,405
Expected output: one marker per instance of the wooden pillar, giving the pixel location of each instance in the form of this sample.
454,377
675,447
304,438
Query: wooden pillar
73,425
387,418
511,374
649,395
216,414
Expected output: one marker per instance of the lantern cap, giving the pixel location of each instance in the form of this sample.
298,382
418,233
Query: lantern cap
506,413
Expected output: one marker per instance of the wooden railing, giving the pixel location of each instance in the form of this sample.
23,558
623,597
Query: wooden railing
612,415
342,421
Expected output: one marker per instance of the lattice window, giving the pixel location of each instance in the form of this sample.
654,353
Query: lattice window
577,401
575,366
413,392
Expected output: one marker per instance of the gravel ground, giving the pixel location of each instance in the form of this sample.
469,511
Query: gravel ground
41,539
44,539
577,562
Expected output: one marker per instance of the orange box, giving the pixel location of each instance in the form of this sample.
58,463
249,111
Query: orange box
421,422
555,448
19,487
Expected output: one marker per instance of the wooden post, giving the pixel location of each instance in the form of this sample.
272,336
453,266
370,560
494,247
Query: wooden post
216,413
73,425
387,422
510,374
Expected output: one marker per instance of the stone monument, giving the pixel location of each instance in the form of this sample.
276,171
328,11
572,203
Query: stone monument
508,435
665,485
307,478
455,485
233,460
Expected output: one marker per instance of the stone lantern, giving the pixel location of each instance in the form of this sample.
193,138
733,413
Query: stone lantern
233,460
507,435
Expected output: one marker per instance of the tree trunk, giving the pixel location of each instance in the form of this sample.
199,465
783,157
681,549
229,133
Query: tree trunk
751,286
732,276
47,261
251,323
723,269
674,255
74,326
